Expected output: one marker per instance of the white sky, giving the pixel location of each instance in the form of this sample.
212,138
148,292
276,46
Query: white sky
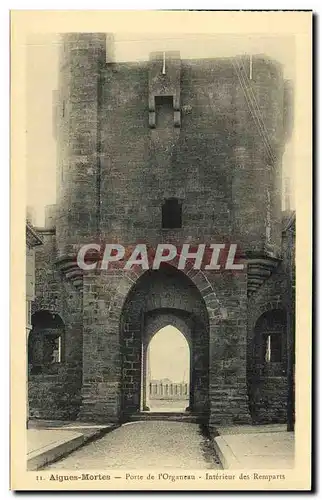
42,63
169,355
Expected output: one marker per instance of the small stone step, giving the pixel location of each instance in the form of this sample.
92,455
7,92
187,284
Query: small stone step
166,416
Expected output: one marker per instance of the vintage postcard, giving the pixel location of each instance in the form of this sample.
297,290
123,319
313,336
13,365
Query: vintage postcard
161,246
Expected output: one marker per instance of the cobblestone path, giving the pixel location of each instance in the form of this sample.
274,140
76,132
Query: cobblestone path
141,445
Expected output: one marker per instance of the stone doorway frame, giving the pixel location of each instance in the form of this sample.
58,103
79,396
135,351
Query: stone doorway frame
154,321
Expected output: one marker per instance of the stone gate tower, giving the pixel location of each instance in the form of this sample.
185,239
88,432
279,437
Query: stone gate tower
167,150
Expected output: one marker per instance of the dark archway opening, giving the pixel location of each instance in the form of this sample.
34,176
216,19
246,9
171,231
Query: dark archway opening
166,380
158,299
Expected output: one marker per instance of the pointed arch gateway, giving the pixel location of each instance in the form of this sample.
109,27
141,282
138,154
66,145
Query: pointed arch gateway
157,299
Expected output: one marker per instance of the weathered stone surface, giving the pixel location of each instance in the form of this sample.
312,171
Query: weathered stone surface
114,173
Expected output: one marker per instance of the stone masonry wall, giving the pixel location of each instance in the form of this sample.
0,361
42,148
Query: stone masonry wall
267,395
